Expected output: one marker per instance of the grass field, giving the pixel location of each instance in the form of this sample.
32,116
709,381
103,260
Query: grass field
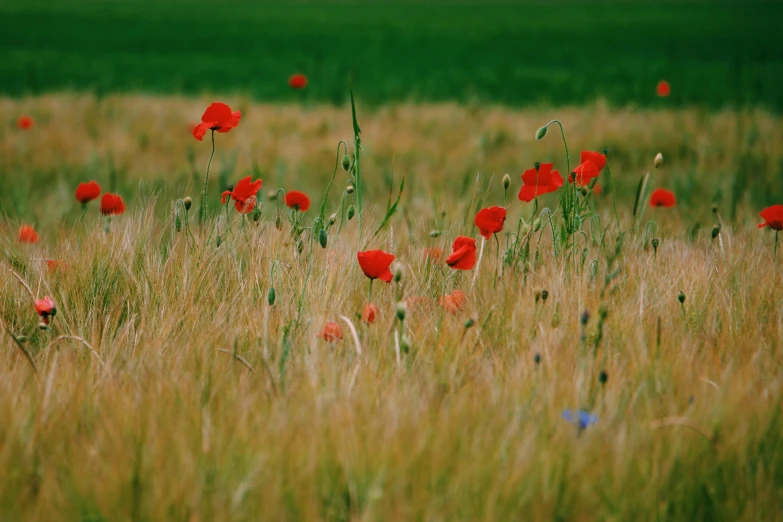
521,53
168,388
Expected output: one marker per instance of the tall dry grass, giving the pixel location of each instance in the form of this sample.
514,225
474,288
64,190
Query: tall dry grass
203,402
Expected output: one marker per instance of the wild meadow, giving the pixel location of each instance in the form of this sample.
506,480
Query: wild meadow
601,342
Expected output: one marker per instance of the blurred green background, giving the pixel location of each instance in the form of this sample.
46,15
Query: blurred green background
714,53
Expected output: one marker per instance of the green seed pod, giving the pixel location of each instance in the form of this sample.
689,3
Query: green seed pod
469,323
271,296
681,297
177,223
400,311
346,162
351,212
655,242
332,219
715,231
435,233
187,202
537,225
322,239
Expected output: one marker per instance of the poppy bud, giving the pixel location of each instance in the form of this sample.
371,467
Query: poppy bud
658,160
187,202
538,296
655,243
583,191
525,229
271,195
177,223
43,326
714,209
230,188
605,151
537,358
537,165
400,311
715,231
22,338
218,241
435,233
271,296
603,311
544,295
537,225
681,297
278,223
584,318
469,323
322,238
332,219
349,188
351,212
541,132
405,344
300,246
346,162
603,377
256,214
506,181
397,273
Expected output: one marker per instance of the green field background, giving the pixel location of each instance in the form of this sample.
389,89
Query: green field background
713,53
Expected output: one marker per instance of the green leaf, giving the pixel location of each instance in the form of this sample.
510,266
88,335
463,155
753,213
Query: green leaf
356,129
391,210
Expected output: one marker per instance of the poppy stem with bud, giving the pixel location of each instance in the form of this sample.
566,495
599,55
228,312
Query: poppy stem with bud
202,213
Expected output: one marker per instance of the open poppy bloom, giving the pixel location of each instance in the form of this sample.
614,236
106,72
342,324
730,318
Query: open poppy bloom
592,163
27,234
45,308
86,192
663,89
370,313
297,200
375,264
244,195
217,117
24,122
490,220
112,204
538,181
463,253
332,332
773,217
662,198
297,81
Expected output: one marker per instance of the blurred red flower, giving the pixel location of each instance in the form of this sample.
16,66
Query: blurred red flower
86,192
370,313
112,204
375,264
433,254
54,264
27,234
24,122
244,194
297,200
598,189
773,217
490,220
217,117
538,181
662,198
332,332
297,81
663,89
463,253
453,302
45,308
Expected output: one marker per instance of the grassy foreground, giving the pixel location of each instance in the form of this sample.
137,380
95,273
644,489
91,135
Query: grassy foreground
179,393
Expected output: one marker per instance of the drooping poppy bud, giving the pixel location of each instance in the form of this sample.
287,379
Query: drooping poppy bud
351,212
322,238
271,296
187,203
346,163
541,132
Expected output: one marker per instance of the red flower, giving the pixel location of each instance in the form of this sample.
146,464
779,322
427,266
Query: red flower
86,192
217,117
244,195
297,81
433,254
27,234
112,204
773,217
370,313
663,89
297,200
591,165
332,332
54,264
24,122
453,302
598,189
490,220
662,198
375,264
538,181
45,308
463,253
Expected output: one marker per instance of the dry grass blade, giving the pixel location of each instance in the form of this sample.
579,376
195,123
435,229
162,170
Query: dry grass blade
238,358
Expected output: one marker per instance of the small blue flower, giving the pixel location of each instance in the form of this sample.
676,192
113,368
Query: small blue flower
583,417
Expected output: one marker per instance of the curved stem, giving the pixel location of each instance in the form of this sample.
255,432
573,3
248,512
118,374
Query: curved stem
203,209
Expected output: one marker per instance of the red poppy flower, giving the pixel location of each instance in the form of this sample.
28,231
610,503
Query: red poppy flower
459,298
27,234
463,253
24,122
217,117
297,200
375,264
370,313
297,81
45,308
332,332
112,204
86,192
433,254
54,264
244,194
662,198
663,89
591,165
539,181
490,220
598,189
773,217
453,302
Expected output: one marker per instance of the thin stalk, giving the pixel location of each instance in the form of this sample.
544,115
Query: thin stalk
478,263
203,209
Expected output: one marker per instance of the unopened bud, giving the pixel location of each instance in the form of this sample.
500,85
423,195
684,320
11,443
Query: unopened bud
218,241
349,188
655,243
541,132
400,311
538,296
397,273
537,358
469,323
405,344
681,297
603,377
278,223
21,338
346,162
187,202
332,219
271,296
537,225
544,295
583,191
177,223
584,318
506,181
43,326
322,238
714,209
715,231
300,246
658,160
603,311
256,214
351,212
271,195
524,229
435,233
